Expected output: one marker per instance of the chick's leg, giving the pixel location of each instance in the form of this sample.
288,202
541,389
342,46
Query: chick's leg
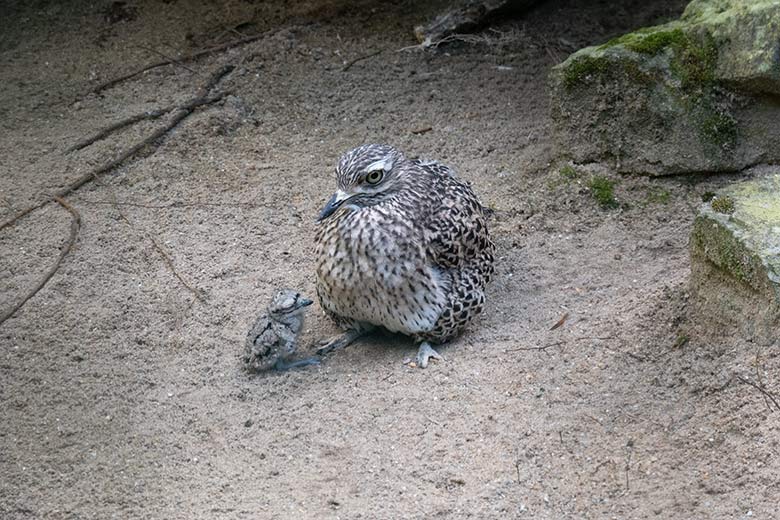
282,365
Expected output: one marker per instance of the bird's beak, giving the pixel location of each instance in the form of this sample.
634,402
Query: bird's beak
304,302
333,204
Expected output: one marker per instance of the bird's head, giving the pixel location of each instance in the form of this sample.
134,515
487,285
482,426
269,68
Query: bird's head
286,303
366,175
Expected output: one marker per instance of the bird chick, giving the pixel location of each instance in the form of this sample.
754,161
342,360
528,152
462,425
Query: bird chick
273,338
404,245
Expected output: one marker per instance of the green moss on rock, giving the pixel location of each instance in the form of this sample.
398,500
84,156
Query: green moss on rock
603,190
721,247
694,54
739,231
694,61
659,196
568,172
677,97
589,68
652,43
651,40
719,128
735,258
723,204
581,68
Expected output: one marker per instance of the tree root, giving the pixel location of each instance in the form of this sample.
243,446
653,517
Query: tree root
182,111
75,225
188,57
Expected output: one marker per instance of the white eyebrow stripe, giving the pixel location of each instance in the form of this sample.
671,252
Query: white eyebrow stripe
382,164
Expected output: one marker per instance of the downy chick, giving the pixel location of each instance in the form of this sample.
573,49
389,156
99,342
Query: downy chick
273,338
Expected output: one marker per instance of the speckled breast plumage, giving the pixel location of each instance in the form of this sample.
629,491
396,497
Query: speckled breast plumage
416,263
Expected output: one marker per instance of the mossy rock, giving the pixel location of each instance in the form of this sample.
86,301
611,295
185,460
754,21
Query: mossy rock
664,100
735,256
747,34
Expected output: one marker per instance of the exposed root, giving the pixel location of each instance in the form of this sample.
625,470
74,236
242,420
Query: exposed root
766,393
360,58
201,98
105,132
75,225
198,293
188,57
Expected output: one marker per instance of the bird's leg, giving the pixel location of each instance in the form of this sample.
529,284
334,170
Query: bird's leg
426,352
282,365
339,342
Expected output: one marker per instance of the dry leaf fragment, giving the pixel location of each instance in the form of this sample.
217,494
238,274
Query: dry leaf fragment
560,321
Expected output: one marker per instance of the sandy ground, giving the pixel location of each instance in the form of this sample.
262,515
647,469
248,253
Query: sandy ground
123,396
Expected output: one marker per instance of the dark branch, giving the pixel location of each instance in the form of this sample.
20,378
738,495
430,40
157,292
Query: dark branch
75,225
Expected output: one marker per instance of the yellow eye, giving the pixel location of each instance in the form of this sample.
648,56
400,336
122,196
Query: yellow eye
375,176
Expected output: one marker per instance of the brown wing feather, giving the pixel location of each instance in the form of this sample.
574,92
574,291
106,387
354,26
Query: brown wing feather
456,232
459,244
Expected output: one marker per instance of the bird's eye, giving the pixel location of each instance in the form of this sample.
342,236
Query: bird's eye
375,176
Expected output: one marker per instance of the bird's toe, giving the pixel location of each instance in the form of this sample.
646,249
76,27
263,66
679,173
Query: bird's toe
339,342
426,353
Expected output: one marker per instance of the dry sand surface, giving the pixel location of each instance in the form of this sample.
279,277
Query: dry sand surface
122,393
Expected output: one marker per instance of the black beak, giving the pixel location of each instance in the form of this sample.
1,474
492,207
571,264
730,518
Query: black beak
303,302
333,204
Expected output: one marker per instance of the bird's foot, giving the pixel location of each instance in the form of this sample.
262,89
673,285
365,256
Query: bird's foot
426,352
282,365
338,342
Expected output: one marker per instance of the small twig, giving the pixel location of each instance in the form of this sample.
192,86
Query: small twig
173,205
434,421
631,355
766,393
600,338
628,467
173,61
182,112
430,44
234,30
415,47
188,57
545,347
549,50
199,295
196,292
153,114
360,58
560,322
594,419
584,338
237,32
423,130
758,374
75,225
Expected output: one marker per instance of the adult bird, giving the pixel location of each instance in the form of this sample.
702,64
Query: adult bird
402,244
